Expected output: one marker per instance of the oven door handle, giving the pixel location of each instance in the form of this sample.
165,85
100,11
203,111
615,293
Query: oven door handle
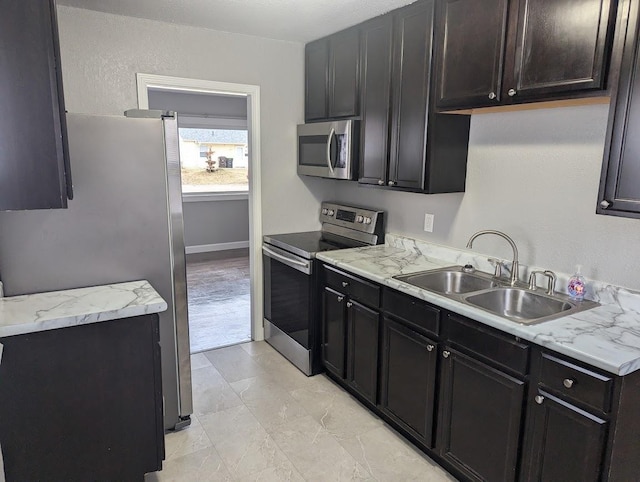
331,134
302,266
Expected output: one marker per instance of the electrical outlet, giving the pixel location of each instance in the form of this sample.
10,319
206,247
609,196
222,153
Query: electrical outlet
428,222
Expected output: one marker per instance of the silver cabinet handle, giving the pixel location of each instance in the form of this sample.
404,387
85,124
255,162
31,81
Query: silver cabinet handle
331,133
349,304
430,347
446,354
568,382
539,399
380,182
340,298
604,204
345,284
391,183
492,95
512,92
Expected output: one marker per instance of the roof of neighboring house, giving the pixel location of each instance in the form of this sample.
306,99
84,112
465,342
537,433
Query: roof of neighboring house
214,136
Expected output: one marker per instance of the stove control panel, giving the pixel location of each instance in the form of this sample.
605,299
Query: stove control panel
354,218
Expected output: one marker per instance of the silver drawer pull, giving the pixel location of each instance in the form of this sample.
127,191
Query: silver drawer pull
568,382
446,354
340,298
539,399
345,284
430,347
349,304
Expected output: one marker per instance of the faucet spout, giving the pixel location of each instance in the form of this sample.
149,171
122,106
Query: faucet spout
514,263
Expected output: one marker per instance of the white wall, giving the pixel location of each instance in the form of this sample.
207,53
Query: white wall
534,175
101,53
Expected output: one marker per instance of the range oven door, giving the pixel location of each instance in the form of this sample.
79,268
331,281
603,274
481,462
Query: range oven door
288,305
328,149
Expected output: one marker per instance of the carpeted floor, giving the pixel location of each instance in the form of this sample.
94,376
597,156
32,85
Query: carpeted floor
219,303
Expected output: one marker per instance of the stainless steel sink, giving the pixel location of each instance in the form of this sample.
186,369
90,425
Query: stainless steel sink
494,295
520,304
450,280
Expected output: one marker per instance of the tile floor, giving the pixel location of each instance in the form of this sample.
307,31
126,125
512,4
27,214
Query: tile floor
219,302
257,418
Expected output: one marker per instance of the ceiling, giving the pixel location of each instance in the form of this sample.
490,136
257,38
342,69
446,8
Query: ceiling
292,20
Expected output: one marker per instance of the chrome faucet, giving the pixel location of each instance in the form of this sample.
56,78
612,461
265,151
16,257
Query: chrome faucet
514,263
551,286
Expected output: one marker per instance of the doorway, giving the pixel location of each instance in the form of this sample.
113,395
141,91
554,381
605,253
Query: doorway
224,272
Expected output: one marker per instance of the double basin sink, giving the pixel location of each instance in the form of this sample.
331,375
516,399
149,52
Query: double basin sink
495,295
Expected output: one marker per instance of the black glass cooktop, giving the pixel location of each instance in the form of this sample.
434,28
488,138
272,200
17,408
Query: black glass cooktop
309,243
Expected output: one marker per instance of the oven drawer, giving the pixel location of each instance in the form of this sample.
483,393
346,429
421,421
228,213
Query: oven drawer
363,291
576,383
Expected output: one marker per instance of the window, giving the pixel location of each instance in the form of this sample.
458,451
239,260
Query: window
214,160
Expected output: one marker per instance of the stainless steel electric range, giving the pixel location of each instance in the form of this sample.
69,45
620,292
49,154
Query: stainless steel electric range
292,307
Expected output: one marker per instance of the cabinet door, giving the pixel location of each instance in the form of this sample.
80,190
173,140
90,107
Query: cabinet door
363,324
316,79
470,45
344,73
375,99
561,46
567,443
408,379
620,182
334,331
480,418
32,124
411,80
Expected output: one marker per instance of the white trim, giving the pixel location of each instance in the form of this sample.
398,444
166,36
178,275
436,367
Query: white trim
144,82
195,197
207,248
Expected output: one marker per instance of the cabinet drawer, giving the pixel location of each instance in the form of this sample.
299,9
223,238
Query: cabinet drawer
497,348
360,290
576,382
417,313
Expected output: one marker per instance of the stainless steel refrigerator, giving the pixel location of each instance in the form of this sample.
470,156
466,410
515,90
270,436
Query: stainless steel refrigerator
125,223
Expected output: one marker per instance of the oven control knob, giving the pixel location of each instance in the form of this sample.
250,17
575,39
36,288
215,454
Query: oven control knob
331,212
325,211
359,219
367,220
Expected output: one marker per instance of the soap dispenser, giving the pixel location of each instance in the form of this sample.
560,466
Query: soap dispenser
576,286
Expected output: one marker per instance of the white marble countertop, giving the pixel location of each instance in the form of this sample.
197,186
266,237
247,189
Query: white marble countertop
607,337
61,309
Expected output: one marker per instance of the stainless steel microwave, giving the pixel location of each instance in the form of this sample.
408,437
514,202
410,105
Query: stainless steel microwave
329,149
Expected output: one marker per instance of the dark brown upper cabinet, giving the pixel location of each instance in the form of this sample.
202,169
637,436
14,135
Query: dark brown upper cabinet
404,145
619,193
332,76
34,168
499,52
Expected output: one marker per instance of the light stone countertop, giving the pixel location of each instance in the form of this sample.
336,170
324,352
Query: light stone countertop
607,337
61,309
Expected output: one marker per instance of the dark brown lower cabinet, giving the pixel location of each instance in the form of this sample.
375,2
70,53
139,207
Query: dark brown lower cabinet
362,352
409,379
567,443
83,403
334,331
481,411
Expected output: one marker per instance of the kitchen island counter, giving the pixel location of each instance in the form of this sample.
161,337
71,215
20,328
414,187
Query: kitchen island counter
60,309
607,337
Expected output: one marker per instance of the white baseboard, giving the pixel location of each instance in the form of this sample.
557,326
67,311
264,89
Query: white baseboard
206,248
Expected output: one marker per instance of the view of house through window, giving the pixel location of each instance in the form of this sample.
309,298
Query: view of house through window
214,160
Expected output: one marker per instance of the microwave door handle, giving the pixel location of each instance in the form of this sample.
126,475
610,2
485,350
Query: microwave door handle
331,134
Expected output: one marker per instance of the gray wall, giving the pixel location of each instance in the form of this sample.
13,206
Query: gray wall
101,54
215,222
533,174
